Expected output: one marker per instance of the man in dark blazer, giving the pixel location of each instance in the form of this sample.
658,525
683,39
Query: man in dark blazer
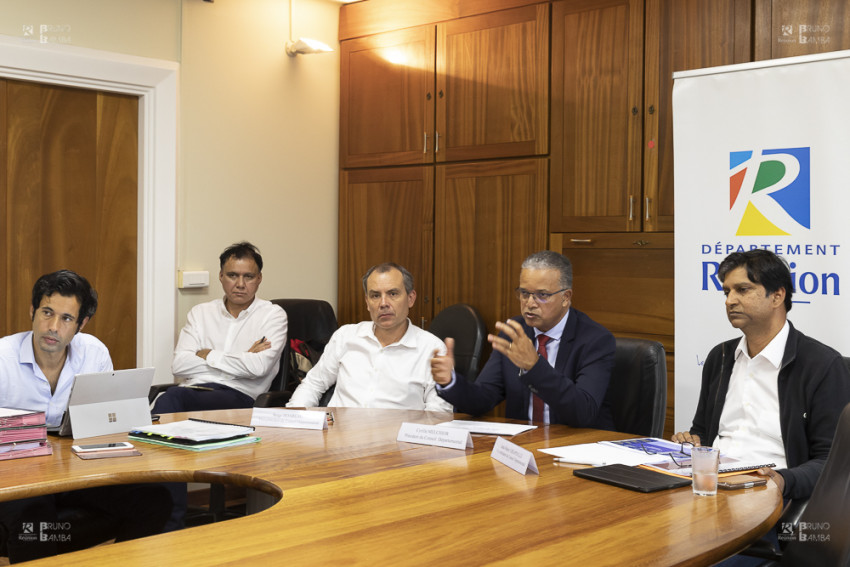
562,378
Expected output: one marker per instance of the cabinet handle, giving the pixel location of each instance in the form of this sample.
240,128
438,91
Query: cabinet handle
581,240
441,93
646,201
439,300
436,142
631,207
651,109
425,146
634,111
641,242
422,323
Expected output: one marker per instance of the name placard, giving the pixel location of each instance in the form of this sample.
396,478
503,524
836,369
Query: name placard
514,456
295,419
435,435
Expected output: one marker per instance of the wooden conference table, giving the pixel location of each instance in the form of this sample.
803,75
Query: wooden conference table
354,495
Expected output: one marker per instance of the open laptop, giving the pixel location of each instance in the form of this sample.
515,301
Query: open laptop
108,402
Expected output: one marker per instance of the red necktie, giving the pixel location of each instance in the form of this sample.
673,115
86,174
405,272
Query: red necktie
536,402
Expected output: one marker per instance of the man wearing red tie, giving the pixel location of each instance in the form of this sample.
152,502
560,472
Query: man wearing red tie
552,365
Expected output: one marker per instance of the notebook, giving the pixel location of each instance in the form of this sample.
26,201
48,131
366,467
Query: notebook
108,402
632,478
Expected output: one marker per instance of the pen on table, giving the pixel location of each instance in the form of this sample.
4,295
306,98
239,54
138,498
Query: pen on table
569,462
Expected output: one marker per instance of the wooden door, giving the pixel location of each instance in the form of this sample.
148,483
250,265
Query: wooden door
68,198
786,28
597,86
493,85
682,35
386,99
385,215
489,217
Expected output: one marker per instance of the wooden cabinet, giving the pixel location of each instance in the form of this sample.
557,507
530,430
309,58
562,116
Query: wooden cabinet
493,85
471,88
390,214
386,98
489,217
612,66
385,215
625,282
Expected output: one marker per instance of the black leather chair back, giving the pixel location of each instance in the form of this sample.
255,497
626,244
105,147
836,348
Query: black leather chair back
464,324
638,388
311,320
823,537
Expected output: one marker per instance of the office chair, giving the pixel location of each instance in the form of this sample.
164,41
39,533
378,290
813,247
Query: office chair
464,324
310,320
638,388
825,539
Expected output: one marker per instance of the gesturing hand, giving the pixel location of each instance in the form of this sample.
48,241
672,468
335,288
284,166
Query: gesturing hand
515,344
442,365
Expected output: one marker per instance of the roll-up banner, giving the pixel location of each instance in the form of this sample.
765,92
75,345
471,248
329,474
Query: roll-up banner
762,160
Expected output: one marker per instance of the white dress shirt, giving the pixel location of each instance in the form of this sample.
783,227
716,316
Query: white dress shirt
369,375
210,325
749,424
23,385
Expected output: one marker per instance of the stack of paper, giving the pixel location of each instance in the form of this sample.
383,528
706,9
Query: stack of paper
23,433
647,452
195,434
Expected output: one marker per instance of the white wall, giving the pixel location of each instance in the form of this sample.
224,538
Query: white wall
258,142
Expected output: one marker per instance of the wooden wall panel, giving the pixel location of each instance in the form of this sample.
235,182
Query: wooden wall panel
787,28
71,202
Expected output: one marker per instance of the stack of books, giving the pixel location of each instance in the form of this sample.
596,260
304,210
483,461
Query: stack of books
195,435
23,433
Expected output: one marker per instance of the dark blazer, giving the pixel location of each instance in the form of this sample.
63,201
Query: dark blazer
574,389
814,386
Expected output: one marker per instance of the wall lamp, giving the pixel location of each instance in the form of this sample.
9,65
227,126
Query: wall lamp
303,46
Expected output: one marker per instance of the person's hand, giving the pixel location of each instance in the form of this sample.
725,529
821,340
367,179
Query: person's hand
203,352
260,345
515,345
774,476
442,365
685,437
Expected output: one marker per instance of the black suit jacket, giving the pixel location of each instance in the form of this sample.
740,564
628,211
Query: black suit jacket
574,389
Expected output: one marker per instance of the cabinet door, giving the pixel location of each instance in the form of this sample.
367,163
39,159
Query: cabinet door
385,215
681,35
489,217
597,84
386,99
786,28
625,283
493,85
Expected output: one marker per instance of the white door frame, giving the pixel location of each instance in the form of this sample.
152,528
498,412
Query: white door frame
155,83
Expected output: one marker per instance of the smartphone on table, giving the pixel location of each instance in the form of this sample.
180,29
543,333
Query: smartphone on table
740,481
116,446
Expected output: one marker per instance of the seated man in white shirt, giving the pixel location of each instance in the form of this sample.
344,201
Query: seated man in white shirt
229,351
382,363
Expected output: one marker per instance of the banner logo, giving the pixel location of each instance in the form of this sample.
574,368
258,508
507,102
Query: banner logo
770,191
